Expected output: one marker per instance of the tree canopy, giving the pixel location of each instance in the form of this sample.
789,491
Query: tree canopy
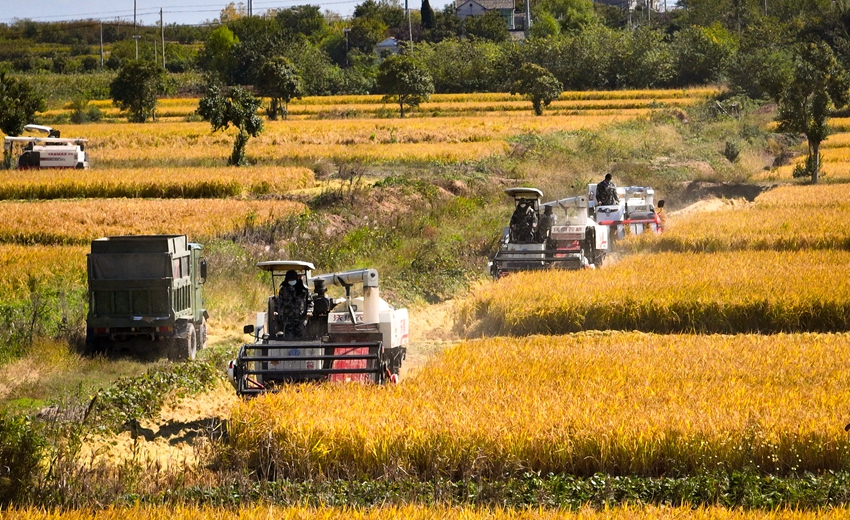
537,84
237,108
18,104
136,88
404,81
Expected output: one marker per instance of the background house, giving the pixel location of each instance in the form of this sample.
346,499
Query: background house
465,8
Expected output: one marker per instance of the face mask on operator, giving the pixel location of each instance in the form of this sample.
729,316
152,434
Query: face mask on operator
292,282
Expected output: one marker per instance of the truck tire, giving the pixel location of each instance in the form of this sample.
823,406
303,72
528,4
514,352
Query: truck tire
202,334
184,349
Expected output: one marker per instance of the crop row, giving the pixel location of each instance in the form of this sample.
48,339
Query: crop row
79,221
412,512
152,182
728,292
789,218
617,403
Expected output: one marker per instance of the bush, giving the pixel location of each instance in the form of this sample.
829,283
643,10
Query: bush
22,446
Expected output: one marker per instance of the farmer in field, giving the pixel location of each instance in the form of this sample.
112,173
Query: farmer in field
544,227
523,223
606,192
661,214
294,305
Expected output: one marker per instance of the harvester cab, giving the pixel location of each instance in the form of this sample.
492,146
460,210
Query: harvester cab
554,235
49,151
632,215
305,335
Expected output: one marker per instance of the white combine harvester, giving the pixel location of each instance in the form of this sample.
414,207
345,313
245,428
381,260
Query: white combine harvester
632,215
353,339
575,241
47,152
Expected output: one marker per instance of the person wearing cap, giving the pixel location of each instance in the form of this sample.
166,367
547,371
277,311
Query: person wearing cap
294,305
606,192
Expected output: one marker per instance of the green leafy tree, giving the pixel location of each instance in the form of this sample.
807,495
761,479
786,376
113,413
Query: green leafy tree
404,81
303,19
573,15
819,85
238,108
387,11
218,52
365,33
136,87
490,26
18,104
537,84
545,25
279,81
702,52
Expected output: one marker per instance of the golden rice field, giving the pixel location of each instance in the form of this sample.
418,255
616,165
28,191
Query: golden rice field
153,182
787,218
622,403
40,266
79,221
835,151
411,512
724,292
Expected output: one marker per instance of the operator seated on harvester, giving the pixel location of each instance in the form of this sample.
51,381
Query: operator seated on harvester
294,306
523,223
544,227
606,192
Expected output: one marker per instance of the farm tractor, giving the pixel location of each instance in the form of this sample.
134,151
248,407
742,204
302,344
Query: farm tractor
358,339
50,151
568,239
633,214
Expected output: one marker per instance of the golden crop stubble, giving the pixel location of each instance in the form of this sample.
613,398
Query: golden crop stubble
729,292
152,182
79,221
413,512
623,403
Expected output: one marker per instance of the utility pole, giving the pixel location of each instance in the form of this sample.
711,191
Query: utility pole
409,26
162,34
101,45
135,35
250,8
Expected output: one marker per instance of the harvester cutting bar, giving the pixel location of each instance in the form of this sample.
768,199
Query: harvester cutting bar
316,371
310,358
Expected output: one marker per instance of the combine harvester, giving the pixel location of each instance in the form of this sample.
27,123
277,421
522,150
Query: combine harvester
633,214
352,339
48,152
568,239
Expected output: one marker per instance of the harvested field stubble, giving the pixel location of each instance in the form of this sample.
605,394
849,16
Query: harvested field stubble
152,182
789,218
619,403
79,221
411,512
750,291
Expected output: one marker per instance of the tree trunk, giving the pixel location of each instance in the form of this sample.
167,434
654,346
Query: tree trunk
401,104
815,161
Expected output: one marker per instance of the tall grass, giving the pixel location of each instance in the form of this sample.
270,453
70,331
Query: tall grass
748,291
618,403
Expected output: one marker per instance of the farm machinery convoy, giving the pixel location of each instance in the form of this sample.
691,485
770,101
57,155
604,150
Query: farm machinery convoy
536,240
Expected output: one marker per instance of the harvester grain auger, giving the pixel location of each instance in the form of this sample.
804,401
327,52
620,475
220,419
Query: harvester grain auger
352,339
558,234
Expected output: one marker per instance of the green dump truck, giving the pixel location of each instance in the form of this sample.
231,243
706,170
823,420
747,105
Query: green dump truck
146,293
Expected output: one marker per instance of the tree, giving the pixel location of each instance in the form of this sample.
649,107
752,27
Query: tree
136,87
701,53
491,26
239,109
819,85
217,55
574,15
18,104
302,19
280,81
544,26
537,84
404,81
365,33
427,15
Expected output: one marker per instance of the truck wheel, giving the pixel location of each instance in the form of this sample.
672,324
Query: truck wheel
202,334
184,349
